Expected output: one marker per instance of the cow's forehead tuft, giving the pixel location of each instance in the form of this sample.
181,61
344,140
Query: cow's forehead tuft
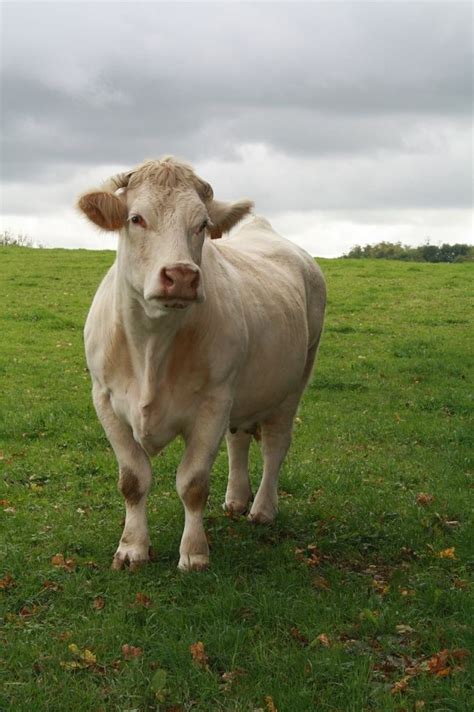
165,173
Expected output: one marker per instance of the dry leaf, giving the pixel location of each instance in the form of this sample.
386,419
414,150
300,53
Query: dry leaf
447,553
404,629
130,651
199,654
400,685
7,581
270,704
321,583
4,503
297,635
323,639
424,499
51,586
142,600
98,603
60,562
420,705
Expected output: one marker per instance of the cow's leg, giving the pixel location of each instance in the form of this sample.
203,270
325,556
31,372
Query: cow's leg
238,493
192,481
134,483
276,439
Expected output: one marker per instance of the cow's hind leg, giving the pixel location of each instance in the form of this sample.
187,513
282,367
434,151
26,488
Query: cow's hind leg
276,440
134,483
238,494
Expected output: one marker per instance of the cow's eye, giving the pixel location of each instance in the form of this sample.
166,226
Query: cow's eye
137,220
202,226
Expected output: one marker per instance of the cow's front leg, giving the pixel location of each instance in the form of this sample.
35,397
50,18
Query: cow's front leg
192,481
134,483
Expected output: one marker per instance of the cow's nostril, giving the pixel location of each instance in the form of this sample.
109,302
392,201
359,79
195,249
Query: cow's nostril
168,281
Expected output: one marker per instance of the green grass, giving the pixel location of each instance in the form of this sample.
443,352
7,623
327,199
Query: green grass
387,417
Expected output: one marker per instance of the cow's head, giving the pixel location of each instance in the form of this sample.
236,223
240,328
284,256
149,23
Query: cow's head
162,211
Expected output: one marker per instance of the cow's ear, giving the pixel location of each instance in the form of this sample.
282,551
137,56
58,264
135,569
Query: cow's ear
104,209
225,215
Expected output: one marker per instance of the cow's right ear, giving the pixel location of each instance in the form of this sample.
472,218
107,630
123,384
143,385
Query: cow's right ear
104,209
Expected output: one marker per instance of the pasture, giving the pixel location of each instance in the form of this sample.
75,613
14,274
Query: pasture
357,597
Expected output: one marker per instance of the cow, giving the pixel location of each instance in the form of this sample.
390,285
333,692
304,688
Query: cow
198,337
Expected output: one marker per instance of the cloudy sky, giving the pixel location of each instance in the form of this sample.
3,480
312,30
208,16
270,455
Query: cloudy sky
346,122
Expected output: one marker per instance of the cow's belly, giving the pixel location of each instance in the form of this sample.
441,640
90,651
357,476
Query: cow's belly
264,385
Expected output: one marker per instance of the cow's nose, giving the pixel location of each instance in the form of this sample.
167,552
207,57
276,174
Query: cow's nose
180,281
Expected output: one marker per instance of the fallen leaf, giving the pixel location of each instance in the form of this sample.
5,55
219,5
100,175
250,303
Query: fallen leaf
130,651
26,612
51,586
321,583
323,639
297,635
98,603
270,704
4,503
84,659
142,600
424,499
65,635
198,654
420,705
7,582
400,685
60,562
447,553
404,629
460,583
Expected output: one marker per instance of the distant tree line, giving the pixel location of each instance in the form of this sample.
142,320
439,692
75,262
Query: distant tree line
424,253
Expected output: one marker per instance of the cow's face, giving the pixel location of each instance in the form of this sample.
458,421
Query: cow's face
163,213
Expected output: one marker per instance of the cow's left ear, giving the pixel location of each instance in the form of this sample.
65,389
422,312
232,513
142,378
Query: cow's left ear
104,209
225,215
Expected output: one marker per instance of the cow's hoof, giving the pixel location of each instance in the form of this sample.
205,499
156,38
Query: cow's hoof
235,507
193,562
262,516
119,563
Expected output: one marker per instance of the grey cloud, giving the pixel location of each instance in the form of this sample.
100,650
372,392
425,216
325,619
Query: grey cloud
97,83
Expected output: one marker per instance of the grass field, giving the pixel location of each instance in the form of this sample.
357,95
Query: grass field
357,598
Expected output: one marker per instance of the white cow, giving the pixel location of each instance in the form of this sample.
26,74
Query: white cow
196,337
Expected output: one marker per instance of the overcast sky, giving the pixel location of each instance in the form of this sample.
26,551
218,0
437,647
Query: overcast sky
345,122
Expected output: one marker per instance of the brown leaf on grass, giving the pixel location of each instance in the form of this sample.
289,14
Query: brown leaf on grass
420,705
448,553
130,652
199,654
441,663
98,603
4,503
229,677
321,583
51,586
323,639
65,635
26,612
400,685
270,704
460,583
380,586
83,660
424,499
404,629
142,600
7,582
60,562
309,556
296,634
